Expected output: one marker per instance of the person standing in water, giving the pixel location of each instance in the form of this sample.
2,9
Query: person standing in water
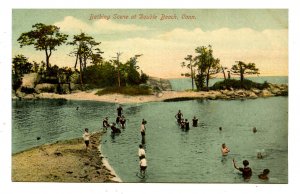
225,150
187,125
105,123
119,111
141,151
179,116
195,122
143,165
143,130
86,138
123,121
246,171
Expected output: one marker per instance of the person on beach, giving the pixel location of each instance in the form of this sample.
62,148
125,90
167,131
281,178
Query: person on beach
246,171
186,125
120,110
105,123
143,130
225,150
86,138
179,116
195,122
143,165
123,121
264,174
141,151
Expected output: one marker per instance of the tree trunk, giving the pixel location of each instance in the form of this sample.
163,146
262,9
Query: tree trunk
223,73
192,76
47,59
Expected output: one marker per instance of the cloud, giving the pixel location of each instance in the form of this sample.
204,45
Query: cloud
164,53
72,25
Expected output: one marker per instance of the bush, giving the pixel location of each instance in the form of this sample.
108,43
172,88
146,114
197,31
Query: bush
236,84
27,90
131,90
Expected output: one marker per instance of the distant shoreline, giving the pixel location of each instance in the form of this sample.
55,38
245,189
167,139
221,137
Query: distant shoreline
274,90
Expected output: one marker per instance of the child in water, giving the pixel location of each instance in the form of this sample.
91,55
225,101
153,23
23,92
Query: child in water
264,174
225,150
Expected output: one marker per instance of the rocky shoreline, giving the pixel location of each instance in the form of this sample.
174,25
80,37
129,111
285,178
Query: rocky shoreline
63,161
167,95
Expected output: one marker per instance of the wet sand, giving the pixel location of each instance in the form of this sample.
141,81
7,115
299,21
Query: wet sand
63,161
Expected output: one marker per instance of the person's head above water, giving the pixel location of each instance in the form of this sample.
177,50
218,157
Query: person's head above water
266,171
86,130
245,163
140,146
223,145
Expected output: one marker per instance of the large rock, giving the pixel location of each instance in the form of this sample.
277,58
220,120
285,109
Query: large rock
29,80
266,93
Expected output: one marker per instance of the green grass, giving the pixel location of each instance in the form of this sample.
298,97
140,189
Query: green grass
128,90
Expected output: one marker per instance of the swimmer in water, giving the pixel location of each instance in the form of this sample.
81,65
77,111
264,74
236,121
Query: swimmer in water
225,150
264,174
179,116
195,122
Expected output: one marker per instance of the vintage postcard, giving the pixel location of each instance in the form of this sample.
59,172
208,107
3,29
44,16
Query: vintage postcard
150,96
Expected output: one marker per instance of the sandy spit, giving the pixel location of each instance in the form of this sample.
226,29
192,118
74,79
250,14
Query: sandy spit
63,161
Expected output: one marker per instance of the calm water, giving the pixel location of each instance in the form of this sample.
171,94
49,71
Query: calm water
173,155
186,83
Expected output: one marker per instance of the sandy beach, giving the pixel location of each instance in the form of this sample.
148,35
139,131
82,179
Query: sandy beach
63,161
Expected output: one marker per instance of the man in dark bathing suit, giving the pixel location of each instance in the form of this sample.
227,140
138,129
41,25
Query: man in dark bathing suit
119,110
246,171
179,116
122,121
195,122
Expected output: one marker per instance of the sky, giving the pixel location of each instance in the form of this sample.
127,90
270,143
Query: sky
250,35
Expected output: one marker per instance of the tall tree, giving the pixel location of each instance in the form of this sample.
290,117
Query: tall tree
212,65
190,66
242,68
44,38
85,50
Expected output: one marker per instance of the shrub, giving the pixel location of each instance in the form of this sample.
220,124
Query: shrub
236,84
27,90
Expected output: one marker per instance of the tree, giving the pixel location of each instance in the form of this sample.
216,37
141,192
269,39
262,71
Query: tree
190,66
44,38
85,49
20,67
242,68
206,65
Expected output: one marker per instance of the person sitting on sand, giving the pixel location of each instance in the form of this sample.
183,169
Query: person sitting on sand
225,150
86,138
264,174
105,123
143,165
141,151
246,171
179,116
195,122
